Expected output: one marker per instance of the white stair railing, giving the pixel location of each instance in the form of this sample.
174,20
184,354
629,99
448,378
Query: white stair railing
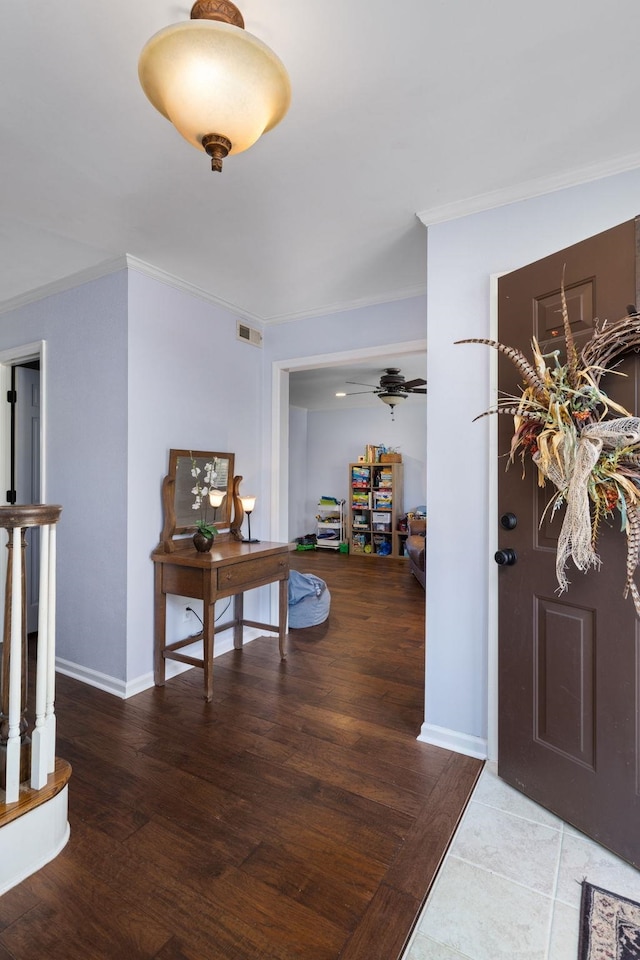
27,759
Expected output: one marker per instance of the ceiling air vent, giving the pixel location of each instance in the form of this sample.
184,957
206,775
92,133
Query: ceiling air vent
249,335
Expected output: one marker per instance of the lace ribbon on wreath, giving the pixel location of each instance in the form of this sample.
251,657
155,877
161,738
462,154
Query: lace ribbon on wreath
575,541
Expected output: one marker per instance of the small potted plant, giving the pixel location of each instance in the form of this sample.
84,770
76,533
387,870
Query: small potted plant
205,530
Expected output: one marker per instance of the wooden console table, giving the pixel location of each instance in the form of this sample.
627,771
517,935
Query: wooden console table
229,569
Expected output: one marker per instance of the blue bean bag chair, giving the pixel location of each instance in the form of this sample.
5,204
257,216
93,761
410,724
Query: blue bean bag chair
309,600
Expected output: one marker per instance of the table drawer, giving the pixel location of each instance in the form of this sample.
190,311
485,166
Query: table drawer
253,572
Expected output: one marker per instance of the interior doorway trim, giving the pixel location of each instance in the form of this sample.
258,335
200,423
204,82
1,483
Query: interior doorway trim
8,359
280,415
492,533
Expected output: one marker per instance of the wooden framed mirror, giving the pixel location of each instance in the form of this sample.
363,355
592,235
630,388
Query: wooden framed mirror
190,473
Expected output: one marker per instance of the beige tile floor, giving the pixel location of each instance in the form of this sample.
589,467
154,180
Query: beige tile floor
510,885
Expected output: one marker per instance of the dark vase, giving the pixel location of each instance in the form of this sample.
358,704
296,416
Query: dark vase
201,543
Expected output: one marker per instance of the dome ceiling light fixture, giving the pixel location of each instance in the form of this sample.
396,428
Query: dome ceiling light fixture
392,397
221,87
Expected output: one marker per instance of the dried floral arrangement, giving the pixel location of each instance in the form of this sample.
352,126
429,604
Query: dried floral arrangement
579,439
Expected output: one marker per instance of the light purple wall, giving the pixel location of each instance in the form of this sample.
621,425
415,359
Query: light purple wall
192,385
85,332
134,367
462,256
352,329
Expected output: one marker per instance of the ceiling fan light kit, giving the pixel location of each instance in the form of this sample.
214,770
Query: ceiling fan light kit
221,87
393,398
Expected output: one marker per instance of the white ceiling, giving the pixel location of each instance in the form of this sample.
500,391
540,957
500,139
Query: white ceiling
416,106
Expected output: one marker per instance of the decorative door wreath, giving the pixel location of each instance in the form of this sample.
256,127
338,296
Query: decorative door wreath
564,422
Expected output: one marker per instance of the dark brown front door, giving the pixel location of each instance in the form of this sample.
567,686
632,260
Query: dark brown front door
569,664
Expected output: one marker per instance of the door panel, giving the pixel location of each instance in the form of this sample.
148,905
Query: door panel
564,671
548,314
569,670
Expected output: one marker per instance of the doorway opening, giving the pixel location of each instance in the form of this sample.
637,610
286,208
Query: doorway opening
281,457
281,369
22,448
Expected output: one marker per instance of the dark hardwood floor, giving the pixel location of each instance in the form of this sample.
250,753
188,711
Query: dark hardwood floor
295,816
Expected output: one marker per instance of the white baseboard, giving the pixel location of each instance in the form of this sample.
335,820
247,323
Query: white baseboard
125,689
92,677
145,682
453,740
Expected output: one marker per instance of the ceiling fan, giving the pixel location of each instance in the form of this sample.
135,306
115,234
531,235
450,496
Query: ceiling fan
393,388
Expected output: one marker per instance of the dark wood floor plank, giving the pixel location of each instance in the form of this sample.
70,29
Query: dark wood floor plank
336,897
185,904
174,950
287,923
347,772
384,928
15,903
77,914
428,839
295,817
392,771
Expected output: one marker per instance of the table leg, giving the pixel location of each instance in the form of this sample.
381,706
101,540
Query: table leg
238,616
159,629
283,611
208,628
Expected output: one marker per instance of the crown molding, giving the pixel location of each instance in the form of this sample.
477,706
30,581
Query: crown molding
129,262
102,269
417,290
528,190
156,273
125,262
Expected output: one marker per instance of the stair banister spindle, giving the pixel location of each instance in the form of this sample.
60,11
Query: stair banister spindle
40,751
50,716
15,672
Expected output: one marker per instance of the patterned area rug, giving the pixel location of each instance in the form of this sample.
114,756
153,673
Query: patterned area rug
609,926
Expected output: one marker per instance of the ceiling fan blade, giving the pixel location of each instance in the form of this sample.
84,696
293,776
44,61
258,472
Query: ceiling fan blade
358,393
418,390
418,382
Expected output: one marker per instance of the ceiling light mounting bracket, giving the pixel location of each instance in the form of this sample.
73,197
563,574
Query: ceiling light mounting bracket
217,148
222,10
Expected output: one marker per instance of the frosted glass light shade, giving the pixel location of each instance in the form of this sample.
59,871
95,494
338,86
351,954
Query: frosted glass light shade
216,497
392,398
209,77
248,503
